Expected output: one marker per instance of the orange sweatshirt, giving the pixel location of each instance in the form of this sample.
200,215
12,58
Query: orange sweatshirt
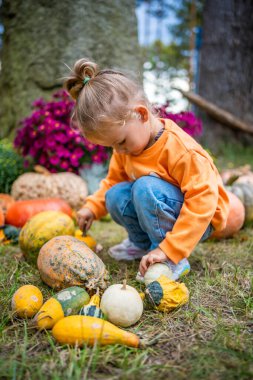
179,159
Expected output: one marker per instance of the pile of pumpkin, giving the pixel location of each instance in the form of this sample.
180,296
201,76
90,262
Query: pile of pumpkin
77,319
47,235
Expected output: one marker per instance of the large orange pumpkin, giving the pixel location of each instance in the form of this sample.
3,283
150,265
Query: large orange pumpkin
21,211
1,216
66,261
6,201
235,219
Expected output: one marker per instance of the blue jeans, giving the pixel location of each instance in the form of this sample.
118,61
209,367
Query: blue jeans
148,208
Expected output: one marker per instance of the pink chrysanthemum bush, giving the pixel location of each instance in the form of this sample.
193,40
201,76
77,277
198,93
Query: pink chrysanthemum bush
46,137
186,120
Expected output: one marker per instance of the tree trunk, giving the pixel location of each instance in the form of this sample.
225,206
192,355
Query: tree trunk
41,36
226,66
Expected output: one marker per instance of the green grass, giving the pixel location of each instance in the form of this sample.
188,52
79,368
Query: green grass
209,338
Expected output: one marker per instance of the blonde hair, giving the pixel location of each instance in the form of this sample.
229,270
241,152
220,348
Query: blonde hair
107,98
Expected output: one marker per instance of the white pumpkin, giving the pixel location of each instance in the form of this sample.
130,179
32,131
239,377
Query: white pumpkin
122,305
155,271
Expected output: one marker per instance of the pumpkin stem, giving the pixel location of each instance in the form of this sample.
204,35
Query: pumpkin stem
124,285
41,170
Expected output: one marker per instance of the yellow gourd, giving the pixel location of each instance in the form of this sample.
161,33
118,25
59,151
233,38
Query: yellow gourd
165,294
66,302
88,240
26,301
92,309
81,330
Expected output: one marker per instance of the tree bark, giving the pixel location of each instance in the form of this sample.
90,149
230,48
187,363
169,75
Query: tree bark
217,113
42,36
226,66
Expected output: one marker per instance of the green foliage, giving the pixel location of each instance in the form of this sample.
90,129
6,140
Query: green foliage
11,164
187,17
163,57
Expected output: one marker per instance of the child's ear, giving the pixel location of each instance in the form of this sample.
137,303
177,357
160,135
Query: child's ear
142,113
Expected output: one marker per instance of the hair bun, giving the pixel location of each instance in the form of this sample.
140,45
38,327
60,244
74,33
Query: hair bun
82,69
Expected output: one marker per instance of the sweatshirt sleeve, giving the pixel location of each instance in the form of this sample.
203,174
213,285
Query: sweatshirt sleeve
116,174
198,182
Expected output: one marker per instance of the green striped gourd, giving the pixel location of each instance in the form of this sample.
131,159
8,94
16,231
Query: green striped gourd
93,309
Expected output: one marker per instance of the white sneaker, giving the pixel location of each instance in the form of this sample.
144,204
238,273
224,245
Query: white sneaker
126,251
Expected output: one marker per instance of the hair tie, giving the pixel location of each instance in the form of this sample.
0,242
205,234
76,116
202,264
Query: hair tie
86,80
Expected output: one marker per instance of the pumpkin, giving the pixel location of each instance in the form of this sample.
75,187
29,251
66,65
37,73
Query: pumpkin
88,240
65,261
41,228
230,175
93,309
236,217
6,201
247,179
68,301
68,186
20,212
2,219
79,330
122,304
244,191
155,271
165,294
26,301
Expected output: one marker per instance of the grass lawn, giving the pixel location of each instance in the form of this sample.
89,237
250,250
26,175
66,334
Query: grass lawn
209,338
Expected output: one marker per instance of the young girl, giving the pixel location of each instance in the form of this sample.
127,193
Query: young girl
162,186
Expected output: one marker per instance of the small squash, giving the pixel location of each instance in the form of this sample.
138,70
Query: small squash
88,240
10,233
93,309
21,211
84,330
26,301
155,271
40,229
244,191
68,301
66,261
165,294
122,304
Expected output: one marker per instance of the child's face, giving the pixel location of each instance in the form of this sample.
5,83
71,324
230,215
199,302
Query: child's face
130,138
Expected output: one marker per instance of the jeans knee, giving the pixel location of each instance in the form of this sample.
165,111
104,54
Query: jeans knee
140,188
116,195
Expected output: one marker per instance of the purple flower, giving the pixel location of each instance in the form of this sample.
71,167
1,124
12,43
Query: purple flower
50,143
186,120
64,165
54,160
62,138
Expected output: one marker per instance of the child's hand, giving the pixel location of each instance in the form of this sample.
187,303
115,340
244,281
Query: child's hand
85,218
155,256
